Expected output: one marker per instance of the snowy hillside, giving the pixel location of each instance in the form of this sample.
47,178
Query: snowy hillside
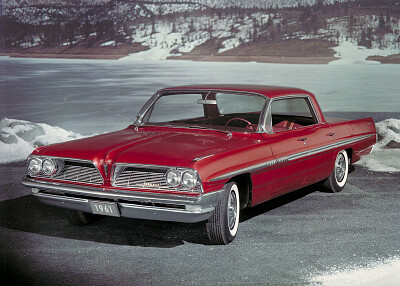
162,29
211,3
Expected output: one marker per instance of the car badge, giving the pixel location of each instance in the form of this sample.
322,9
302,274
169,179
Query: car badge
105,166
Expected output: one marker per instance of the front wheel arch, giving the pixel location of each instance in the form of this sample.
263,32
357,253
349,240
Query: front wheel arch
245,185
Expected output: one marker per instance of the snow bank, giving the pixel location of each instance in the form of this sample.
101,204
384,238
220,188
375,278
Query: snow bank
386,155
153,54
379,273
18,138
349,54
109,43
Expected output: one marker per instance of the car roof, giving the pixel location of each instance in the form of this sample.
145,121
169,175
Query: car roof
267,90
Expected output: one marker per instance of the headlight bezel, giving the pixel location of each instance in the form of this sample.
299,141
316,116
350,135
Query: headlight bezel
192,181
184,172
178,176
57,165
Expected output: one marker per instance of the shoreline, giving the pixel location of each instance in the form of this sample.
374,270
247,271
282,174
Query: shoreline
205,58
392,59
210,58
307,60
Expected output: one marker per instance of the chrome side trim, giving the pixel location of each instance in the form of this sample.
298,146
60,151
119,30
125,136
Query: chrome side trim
292,157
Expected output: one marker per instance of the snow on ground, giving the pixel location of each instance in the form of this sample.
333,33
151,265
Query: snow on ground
386,155
18,138
153,54
109,43
349,53
379,273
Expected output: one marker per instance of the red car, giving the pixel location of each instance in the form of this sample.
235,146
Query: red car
201,153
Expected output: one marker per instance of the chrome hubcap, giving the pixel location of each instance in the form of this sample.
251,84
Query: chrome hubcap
340,168
232,209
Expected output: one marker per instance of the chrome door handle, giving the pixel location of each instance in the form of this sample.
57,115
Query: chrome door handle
330,134
302,139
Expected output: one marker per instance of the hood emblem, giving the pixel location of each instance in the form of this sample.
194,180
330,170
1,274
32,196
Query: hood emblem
105,166
201,158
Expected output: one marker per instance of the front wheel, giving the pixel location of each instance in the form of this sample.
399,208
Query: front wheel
223,224
338,178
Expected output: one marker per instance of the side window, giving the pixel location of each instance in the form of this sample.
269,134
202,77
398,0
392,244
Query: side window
291,113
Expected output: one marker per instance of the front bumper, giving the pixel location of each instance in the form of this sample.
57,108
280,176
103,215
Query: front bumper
141,205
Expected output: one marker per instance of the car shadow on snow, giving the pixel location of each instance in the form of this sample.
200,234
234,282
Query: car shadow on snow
27,214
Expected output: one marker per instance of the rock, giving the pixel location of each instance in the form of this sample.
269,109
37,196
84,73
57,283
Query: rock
393,144
8,138
30,130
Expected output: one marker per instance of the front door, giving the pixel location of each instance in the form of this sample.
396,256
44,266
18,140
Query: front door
291,126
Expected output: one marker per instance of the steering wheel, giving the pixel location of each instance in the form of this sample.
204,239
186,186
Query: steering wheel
241,119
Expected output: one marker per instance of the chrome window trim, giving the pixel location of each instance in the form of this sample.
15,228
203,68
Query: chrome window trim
310,104
158,94
292,157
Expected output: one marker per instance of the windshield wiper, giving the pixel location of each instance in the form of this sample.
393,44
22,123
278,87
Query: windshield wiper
187,126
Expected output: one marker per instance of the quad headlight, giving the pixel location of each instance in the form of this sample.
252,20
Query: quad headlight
187,179
174,178
49,167
35,166
46,166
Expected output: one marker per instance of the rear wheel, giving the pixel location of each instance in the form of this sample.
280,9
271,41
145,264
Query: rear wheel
338,178
79,218
223,224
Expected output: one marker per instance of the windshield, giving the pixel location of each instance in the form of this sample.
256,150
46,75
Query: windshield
226,111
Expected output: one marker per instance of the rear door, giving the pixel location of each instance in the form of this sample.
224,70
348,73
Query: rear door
321,156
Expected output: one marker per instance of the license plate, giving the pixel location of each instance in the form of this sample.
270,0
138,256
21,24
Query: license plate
110,209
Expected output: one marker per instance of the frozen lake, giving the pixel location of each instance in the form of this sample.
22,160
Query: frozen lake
95,96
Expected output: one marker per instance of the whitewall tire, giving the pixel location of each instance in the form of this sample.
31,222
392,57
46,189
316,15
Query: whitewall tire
338,178
223,224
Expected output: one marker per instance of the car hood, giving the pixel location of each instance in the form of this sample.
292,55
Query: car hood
163,146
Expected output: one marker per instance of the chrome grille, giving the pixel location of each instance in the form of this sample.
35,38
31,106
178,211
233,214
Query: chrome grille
133,177
77,172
